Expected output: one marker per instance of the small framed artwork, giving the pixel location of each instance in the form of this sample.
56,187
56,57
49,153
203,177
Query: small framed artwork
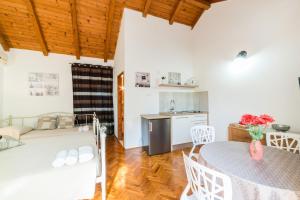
174,78
142,79
43,84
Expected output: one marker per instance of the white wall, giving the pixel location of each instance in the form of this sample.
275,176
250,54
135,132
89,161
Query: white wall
119,65
267,83
156,47
269,30
1,86
184,101
17,101
1,91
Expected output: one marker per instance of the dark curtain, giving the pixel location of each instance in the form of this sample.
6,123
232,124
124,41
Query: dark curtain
93,92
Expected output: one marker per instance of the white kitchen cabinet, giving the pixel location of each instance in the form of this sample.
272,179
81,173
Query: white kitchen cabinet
180,129
182,124
200,119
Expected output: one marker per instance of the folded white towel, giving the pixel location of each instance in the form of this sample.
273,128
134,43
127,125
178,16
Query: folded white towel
85,153
60,159
72,157
85,128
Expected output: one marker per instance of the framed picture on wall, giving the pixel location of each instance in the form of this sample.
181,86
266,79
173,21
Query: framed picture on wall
43,84
174,78
142,79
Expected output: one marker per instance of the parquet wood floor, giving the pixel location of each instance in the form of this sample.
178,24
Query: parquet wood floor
132,175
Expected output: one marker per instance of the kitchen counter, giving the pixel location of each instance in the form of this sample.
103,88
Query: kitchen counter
181,113
155,116
167,115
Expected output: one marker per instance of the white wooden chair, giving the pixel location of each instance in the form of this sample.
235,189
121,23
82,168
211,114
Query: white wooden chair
205,183
285,141
201,134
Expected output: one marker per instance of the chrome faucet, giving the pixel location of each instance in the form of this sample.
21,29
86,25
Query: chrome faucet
172,105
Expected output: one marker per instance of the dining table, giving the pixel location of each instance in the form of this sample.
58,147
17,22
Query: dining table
275,177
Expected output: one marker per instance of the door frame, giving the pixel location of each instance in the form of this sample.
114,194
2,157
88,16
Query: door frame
120,107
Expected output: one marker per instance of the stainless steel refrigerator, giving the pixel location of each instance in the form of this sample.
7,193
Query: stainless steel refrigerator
156,135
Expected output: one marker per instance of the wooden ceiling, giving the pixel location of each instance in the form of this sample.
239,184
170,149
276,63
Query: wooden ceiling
83,27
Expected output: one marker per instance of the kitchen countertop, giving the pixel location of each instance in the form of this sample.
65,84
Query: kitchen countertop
156,116
181,113
168,115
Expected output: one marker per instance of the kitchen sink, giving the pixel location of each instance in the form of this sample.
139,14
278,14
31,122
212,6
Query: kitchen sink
181,113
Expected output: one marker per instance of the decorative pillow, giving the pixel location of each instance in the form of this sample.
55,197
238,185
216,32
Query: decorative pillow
65,122
46,123
15,132
7,142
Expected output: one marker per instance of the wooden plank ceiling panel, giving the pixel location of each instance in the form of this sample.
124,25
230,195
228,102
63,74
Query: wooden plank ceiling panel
163,8
31,7
137,5
91,26
56,23
16,25
188,14
94,31
116,23
177,8
109,27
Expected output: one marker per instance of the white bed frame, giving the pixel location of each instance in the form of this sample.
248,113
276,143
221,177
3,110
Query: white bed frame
98,129
32,120
100,134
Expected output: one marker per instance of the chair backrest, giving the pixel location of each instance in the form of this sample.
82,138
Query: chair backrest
205,183
286,141
202,134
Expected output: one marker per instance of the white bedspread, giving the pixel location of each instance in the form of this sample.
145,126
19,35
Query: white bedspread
49,133
26,172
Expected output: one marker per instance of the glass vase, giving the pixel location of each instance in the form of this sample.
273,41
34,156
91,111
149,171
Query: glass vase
256,150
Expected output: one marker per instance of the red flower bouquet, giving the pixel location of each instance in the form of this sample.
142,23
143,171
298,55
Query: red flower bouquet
252,120
257,125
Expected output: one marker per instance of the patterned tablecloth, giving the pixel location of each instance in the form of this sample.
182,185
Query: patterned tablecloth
276,177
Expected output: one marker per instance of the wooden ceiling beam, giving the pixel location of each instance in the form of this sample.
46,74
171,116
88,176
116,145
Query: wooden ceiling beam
109,24
3,42
176,11
75,28
197,19
37,26
199,3
146,8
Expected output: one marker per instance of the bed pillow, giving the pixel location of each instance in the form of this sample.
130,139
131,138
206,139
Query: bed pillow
46,123
65,122
7,142
14,131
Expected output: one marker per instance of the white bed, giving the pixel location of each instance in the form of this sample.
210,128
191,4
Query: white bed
26,171
35,134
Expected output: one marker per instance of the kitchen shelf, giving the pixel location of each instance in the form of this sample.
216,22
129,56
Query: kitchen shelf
178,86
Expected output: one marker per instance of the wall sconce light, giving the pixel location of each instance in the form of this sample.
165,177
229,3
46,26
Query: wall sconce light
240,61
242,54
